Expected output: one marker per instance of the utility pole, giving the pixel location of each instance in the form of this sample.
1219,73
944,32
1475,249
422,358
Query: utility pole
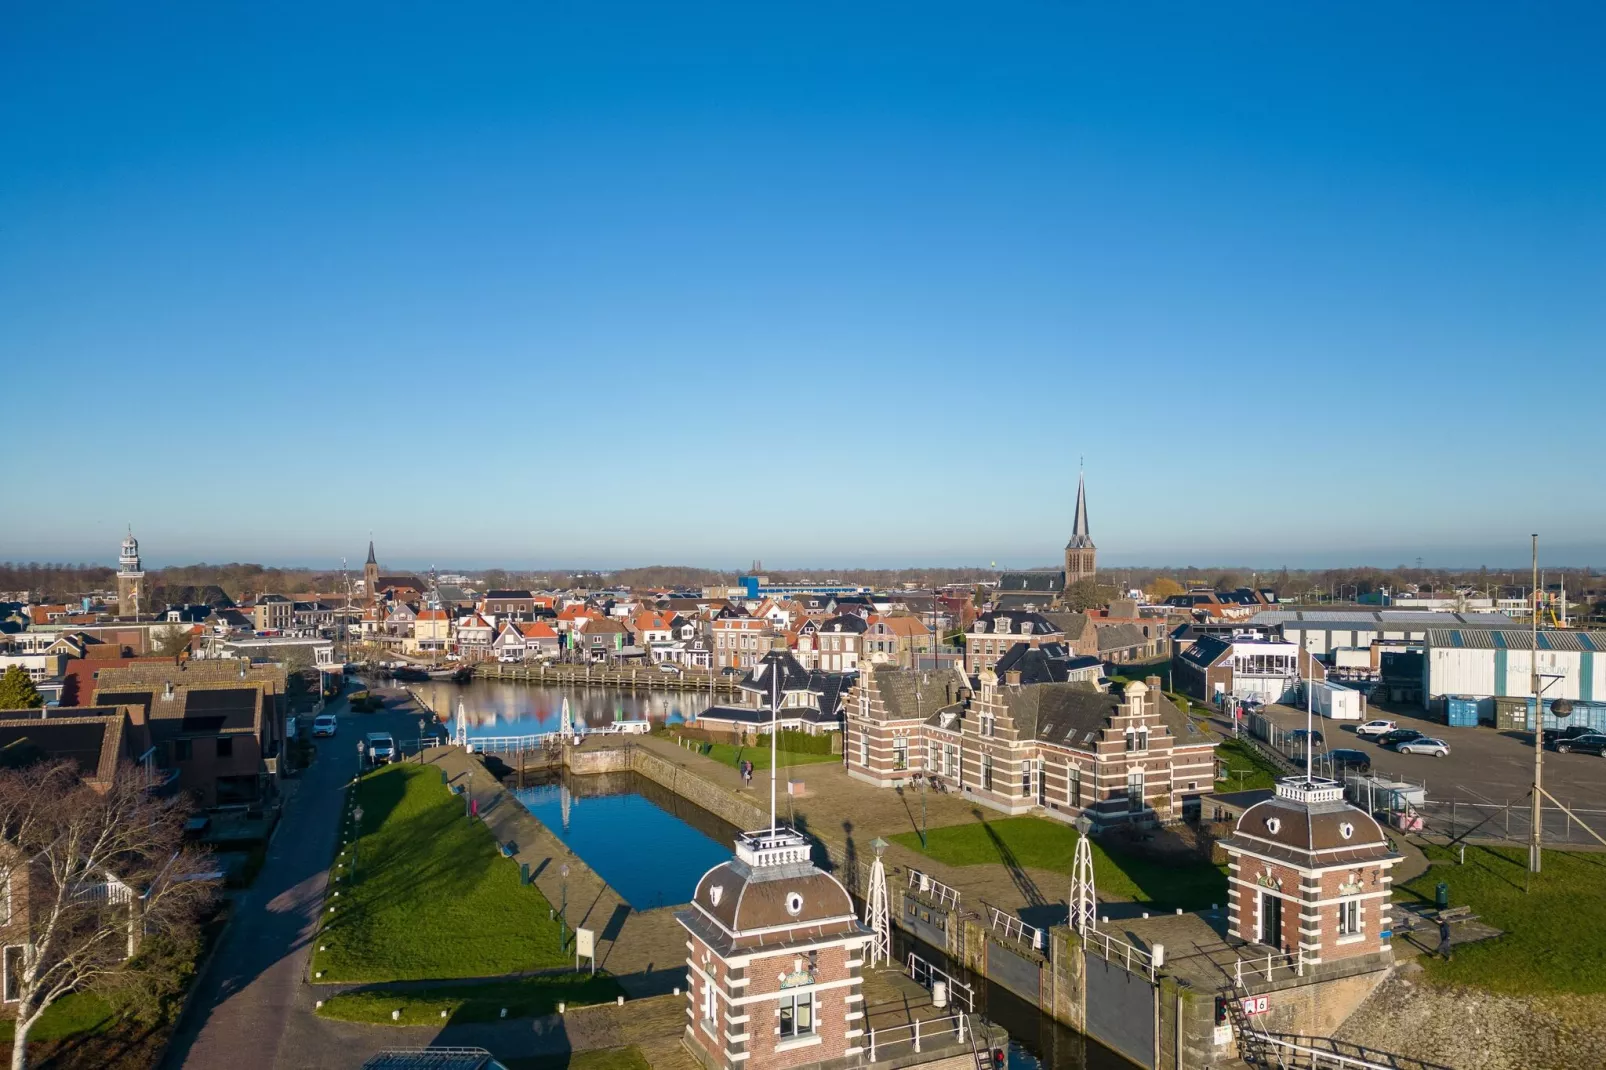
1536,836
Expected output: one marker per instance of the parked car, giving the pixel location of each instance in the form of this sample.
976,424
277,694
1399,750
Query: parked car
1587,743
1398,736
381,748
1423,745
324,725
1372,729
1350,761
1556,735
673,670
729,671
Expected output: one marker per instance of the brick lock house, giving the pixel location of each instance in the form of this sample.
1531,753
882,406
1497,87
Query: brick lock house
992,634
775,960
1057,746
1308,873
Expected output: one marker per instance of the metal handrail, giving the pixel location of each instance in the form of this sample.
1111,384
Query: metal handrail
878,1037
926,884
957,990
1114,949
1016,929
1273,959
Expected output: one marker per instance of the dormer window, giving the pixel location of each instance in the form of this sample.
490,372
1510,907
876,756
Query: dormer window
981,626
1026,627
1002,626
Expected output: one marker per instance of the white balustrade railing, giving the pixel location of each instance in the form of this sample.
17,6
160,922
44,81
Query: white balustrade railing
1113,949
927,885
917,1033
1012,928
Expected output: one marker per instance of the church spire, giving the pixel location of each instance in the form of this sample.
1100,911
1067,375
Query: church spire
374,561
1081,556
1079,529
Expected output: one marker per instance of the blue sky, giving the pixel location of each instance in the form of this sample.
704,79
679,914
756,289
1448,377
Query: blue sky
824,284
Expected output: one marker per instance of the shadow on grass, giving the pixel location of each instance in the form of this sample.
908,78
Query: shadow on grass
1017,872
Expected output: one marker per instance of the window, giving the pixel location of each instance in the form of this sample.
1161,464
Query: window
1137,739
931,756
797,1015
987,724
1073,791
864,749
1026,779
182,750
1349,917
13,973
900,752
950,760
710,998
987,772
1134,789
225,746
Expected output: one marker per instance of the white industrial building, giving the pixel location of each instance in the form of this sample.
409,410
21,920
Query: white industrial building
1322,631
1493,662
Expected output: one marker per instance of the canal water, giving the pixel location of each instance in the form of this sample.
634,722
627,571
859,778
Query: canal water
509,708
652,846
649,844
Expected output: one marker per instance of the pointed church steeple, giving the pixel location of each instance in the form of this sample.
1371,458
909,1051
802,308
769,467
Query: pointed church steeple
372,560
1081,556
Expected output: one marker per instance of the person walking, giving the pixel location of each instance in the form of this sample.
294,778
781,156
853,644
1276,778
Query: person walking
1444,940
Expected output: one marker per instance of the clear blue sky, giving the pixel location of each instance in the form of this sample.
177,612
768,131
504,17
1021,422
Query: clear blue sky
825,283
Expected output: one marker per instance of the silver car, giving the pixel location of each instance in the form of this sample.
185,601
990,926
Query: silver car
1424,745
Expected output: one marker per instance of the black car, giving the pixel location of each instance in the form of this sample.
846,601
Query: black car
1350,761
1556,735
1297,736
1588,743
1399,735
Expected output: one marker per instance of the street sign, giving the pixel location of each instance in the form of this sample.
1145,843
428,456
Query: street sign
585,946
1255,1004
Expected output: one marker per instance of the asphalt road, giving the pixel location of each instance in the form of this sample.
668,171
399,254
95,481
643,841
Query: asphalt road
1483,764
252,994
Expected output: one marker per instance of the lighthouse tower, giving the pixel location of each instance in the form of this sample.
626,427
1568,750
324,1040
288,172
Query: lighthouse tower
130,578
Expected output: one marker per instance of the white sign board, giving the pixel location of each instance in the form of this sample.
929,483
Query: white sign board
585,943
1255,1004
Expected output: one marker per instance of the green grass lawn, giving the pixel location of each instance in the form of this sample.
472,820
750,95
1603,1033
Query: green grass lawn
1038,843
1239,758
731,755
607,1059
72,1015
1555,936
528,997
434,898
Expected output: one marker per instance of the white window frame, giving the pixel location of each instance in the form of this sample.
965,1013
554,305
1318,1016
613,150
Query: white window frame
1349,918
794,1001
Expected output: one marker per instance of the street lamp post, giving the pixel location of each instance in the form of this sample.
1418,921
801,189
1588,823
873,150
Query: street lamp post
563,908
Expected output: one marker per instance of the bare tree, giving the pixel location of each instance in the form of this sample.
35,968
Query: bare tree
172,641
88,872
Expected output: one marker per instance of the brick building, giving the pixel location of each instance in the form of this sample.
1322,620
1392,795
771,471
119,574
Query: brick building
738,642
992,634
218,722
1308,873
775,961
1032,739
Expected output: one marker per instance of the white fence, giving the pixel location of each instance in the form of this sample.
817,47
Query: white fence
917,1033
1012,928
928,977
1118,951
927,885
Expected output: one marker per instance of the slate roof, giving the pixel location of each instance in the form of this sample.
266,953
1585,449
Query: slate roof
760,716
1205,650
1120,637
1064,714
508,594
845,622
1074,625
988,623
916,694
1037,580
1050,663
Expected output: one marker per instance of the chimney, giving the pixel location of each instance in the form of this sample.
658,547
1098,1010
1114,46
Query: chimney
1012,677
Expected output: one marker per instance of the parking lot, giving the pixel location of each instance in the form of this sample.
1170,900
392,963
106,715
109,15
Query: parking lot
1483,765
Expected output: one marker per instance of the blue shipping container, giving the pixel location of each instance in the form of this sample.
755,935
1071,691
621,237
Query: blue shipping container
1460,711
1589,714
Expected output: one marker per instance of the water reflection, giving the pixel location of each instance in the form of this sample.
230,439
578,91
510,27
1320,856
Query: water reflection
505,708
650,845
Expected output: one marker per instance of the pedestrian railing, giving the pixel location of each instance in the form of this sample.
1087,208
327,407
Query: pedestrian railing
1012,928
932,888
886,1041
928,977
1264,967
1114,950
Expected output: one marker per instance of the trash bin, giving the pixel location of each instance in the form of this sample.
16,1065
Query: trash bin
1441,896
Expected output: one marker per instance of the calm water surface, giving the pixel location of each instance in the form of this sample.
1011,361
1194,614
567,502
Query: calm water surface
649,845
505,708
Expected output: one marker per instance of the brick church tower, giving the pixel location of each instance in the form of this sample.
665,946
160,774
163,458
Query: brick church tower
1081,556
370,576
130,579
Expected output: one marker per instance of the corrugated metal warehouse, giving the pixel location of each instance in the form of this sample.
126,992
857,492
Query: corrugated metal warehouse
1323,631
1489,662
